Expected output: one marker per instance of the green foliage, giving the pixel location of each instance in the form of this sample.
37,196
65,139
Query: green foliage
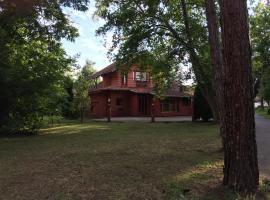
153,33
33,65
265,84
201,107
68,105
88,70
260,39
81,88
263,112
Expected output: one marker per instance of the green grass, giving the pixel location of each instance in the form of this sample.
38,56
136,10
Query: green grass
114,161
263,112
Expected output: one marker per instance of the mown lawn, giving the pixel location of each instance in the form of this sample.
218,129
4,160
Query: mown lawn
263,112
113,161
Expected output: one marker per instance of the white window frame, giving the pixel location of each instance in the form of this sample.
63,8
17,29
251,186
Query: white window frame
140,76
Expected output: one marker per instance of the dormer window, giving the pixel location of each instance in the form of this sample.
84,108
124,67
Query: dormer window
141,76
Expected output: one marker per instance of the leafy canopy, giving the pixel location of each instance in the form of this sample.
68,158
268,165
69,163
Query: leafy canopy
260,40
154,33
33,65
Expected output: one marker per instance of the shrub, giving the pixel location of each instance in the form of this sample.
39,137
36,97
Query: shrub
268,111
201,109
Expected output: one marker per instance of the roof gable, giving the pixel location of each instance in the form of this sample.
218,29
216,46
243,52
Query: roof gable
109,69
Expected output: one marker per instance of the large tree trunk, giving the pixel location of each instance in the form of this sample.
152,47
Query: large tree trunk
240,149
206,89
215,53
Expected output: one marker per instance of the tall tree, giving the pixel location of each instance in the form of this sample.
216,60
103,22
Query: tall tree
32,62
260,40
88,70
176,27
215,51
240,149
81,87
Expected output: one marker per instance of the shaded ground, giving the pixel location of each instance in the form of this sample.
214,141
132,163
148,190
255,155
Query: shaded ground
263,142
148,119
112,161
124,161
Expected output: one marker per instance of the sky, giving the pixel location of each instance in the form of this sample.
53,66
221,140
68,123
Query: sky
88,45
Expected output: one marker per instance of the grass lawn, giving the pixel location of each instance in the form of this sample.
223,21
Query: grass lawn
263,112
113,161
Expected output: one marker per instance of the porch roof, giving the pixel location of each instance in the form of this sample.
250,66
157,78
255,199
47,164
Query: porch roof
168,93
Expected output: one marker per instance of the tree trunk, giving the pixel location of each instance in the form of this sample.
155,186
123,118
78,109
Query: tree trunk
240,149
81,113
215,53
262,103
206,89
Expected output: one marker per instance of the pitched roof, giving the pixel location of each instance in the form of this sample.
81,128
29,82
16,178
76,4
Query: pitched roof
109,69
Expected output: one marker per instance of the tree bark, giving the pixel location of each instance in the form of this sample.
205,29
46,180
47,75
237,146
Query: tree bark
237,118
262,103
81,113
215,54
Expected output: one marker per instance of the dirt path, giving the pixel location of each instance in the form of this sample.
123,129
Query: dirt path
263,141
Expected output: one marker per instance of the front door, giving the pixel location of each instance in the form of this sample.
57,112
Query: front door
143,104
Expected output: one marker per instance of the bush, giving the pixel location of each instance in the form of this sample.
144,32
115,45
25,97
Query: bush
16,124
201,108
268,111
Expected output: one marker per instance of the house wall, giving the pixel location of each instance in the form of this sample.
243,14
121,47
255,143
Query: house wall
130,100
98,107
184,110
114,79
99,104
130,105
133,105
106,80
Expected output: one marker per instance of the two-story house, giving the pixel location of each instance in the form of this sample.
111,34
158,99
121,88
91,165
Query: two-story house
131,94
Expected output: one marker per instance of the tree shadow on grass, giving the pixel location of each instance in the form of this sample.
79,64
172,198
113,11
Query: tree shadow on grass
204,182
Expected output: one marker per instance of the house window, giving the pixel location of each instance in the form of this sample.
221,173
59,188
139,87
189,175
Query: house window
124,79
169,105
140,76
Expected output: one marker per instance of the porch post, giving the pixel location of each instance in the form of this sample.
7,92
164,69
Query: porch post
153,110
109,110
193,110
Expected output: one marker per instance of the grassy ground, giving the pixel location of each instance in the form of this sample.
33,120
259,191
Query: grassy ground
113,161
263,112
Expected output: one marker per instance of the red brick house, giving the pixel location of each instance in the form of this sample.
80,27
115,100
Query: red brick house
132,95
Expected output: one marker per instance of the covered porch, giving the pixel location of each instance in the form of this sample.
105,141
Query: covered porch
120,103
